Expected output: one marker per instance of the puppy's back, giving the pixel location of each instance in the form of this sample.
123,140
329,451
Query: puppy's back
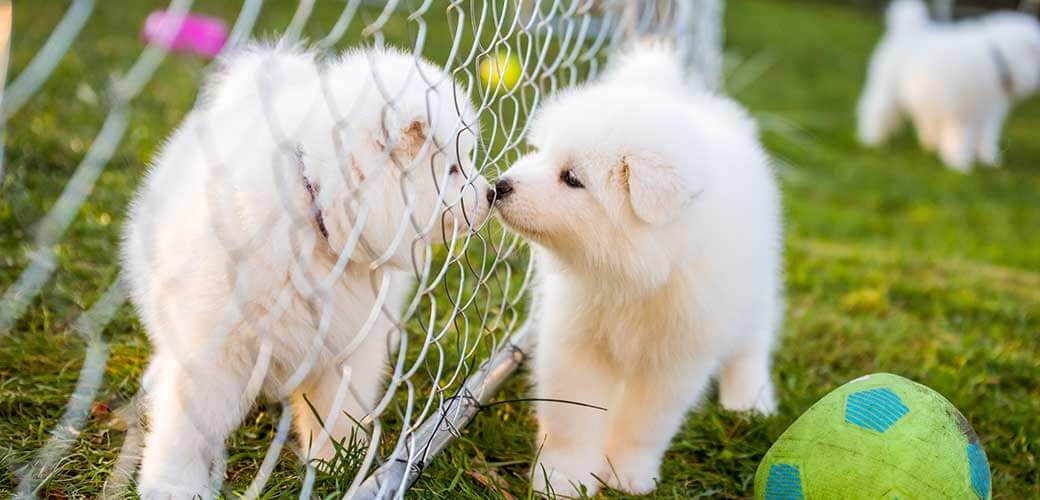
258,71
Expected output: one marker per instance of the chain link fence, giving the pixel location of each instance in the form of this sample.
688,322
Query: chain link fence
461,331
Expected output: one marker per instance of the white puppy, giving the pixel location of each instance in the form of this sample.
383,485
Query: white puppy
956,82
265,249
655,218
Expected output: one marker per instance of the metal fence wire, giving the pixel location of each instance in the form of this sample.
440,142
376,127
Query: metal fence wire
461,331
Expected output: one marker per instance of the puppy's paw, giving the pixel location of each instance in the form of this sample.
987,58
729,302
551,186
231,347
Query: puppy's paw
171,477
170,491
567,472
763,405
635,471
761,401
991,162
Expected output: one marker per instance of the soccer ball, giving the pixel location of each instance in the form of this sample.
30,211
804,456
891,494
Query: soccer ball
878,437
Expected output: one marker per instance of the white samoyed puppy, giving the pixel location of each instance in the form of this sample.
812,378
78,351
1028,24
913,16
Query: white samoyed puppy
956,81
654,215
268,248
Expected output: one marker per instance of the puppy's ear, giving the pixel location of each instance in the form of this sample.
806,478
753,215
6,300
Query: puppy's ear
407,141
655,188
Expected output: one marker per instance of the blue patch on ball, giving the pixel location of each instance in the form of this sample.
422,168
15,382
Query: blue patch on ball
876,409
979,467
784,483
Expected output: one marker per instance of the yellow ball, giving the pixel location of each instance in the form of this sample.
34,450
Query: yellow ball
502,67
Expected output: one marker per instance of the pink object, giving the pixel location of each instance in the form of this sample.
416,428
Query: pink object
203,35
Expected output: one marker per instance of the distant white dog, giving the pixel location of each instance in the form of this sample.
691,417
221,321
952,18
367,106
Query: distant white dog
655,219
265,249
956,82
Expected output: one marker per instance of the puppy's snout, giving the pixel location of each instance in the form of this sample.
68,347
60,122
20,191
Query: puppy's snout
502,189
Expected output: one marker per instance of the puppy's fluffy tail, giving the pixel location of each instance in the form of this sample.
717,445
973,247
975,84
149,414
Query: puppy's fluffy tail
652,62
258,71
906,15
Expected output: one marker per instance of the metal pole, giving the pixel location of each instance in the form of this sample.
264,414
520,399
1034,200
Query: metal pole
403,468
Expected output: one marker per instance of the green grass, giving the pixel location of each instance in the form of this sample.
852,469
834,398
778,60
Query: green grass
893,262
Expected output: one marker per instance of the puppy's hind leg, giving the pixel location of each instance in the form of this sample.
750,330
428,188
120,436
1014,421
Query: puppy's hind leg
879,114
957,145
192,407
927,132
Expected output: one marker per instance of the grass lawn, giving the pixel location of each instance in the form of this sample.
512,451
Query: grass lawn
894,263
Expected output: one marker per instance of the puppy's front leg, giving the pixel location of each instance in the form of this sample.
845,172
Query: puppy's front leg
989,138
327,398
570,436
744,381
341,395
643,420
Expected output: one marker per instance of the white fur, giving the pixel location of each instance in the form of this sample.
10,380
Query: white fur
230,274
650,281
946,78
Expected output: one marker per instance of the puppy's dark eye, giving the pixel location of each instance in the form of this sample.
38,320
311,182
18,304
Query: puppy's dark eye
571,180
453,169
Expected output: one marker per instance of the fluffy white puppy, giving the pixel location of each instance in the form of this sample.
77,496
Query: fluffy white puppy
655,219
956,82
265,249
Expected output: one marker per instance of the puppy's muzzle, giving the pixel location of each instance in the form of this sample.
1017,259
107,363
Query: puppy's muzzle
503,188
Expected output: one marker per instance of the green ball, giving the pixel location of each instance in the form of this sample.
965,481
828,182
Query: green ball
878,437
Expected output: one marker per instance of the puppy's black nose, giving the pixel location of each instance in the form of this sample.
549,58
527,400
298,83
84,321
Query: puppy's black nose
502,189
